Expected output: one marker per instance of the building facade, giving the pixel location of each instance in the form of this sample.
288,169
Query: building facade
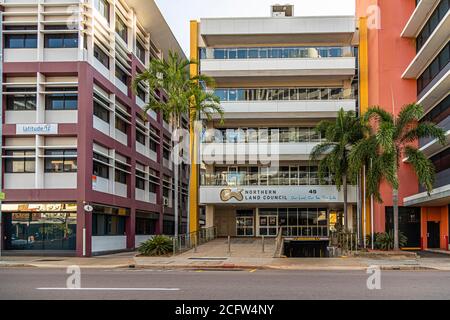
405,48
276,77
429,26
85,171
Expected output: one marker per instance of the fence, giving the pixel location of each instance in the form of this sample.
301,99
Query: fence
346,241
185,242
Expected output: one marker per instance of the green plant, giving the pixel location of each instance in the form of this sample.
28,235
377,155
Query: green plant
333,154
156,246
385,240
383,151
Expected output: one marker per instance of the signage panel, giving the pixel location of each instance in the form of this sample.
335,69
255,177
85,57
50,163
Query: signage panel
34,129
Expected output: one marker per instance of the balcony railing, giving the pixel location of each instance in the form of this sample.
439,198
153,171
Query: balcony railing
262,135
281,178
276,53
284,94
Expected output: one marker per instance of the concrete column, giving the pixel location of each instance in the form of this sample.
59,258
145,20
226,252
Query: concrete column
209,216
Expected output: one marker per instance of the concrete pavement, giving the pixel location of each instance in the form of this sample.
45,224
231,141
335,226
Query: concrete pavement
245,254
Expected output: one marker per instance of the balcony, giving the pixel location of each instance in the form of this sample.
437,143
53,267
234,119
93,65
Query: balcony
335,62
420,14
292,30
247,195
437,89
264,152
429,49
284,102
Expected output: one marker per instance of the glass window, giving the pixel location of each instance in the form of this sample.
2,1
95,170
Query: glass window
21,102
313,94
61,101
121,75
61,40
101,56
242,53
101,112
102,7
122,29
108,225
253,53
219,54
20,161
58,161
140,51
20,41
101,169
120,176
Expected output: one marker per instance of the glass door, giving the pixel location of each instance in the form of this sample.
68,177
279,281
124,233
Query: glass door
268,225
245,223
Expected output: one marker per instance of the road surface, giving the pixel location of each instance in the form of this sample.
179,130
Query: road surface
36,283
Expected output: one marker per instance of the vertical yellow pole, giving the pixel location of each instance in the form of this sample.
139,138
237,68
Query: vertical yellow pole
364,98
193,185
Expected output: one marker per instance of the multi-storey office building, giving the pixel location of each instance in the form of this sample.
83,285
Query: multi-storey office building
85,171
404,47
429,25
277,77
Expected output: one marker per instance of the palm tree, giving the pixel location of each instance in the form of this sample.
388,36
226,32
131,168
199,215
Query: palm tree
172,77
333,153
392,140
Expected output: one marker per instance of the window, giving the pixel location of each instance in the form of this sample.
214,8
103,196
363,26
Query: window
121,75
441,161
21,41
121,29
102,7
20,161
120,176
101,167
61,161
101,112
121,125
108,225
140,51
432,23
140,180
438,64
101,56
21,102
141,93
146,226
121,172
61,101
140,137
63,40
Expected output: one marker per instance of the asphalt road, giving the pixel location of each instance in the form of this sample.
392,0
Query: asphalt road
33,283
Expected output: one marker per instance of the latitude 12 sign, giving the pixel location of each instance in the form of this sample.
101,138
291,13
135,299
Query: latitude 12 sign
34,129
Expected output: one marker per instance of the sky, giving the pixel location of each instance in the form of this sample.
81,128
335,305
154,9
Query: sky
178,13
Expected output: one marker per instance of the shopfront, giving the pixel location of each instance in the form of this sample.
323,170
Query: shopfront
39,227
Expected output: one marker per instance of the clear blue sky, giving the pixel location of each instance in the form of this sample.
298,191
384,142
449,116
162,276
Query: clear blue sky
178,13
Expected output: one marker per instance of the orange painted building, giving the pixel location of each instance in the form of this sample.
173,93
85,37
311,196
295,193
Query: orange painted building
395,58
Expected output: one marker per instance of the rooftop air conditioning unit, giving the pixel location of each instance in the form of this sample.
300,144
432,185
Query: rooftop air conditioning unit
279,10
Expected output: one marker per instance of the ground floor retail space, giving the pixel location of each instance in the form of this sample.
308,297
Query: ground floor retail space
262,221
66,228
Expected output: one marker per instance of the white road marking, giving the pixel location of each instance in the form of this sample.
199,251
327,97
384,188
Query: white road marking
111,289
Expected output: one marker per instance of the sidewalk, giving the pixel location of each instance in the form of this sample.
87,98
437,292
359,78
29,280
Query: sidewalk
245,254
120,260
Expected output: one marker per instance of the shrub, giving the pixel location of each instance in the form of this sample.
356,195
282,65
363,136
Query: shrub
385,240
156,246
